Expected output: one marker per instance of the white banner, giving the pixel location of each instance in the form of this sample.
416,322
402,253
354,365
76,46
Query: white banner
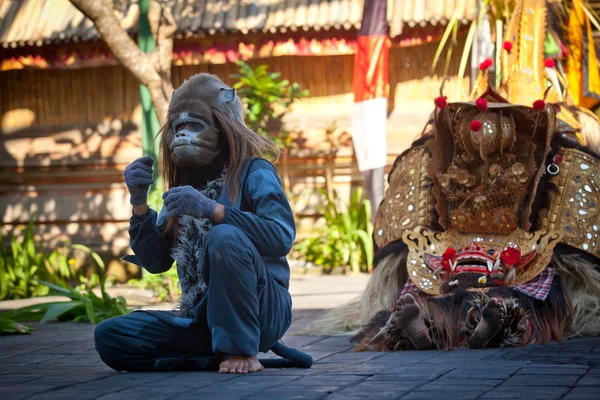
369,119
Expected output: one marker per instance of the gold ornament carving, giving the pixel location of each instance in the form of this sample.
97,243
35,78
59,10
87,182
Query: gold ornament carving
575,207
408,201
422,242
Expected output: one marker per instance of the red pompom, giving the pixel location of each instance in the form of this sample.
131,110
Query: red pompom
539,105
486,64
440,102
481,104
549,63
448,256
510,256
475,125
507,46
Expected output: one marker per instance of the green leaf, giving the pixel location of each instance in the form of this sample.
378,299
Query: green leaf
94,255
89,309
55,310
62,289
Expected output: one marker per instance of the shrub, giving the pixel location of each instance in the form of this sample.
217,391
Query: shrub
25,262
267,97
345,239
84,304
165,286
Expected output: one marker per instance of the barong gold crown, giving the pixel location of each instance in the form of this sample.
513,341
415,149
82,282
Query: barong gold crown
462,202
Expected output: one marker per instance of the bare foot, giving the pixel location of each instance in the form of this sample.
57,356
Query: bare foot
492,318
407,316
240,365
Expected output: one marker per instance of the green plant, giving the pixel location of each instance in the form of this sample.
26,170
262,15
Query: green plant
25,262
267,97
165,285
155,200
10,327
84,304
346,237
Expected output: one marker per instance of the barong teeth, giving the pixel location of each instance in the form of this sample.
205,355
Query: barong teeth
490,265
453,283
453,265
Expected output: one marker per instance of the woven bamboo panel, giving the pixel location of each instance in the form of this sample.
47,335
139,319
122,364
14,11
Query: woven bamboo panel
67,136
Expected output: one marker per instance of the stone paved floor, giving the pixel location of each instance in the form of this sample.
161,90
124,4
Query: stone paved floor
59,362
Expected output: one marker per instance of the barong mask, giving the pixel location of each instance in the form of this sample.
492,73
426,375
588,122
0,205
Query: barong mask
466,202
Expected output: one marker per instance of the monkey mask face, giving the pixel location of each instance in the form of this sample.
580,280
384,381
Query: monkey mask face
193,135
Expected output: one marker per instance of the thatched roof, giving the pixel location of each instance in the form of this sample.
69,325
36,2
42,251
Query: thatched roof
40,22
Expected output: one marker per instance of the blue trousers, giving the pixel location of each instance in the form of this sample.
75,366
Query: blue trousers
244,311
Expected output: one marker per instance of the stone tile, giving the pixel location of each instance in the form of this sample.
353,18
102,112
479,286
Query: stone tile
358,393
64,394
526,392
590,380
399,383
299,391
582,393
16,379
543,379
334,379
451,382
448,393
421,369
21,391
407,377
557,370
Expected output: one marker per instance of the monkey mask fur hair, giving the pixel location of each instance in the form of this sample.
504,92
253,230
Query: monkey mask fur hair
205,133
204,136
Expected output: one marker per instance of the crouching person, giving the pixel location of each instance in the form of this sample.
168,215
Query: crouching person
228,226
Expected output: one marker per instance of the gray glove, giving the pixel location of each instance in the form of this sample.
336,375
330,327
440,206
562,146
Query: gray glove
187,200
138,178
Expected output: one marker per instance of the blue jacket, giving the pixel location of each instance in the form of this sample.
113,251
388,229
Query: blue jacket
261,211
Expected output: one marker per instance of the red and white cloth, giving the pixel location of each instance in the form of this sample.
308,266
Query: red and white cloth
538,287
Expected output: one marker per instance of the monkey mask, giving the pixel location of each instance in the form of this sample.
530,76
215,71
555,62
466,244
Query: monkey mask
193,132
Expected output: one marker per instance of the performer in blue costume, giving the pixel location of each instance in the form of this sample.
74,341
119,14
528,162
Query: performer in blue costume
229,227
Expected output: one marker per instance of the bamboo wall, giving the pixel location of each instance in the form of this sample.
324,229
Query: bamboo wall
67,135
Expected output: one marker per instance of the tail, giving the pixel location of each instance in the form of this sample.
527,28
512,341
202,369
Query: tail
380,294
290,358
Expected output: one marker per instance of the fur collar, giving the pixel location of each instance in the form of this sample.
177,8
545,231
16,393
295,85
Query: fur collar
187,251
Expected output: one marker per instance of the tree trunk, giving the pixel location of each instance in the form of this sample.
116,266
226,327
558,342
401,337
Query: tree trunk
153,69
